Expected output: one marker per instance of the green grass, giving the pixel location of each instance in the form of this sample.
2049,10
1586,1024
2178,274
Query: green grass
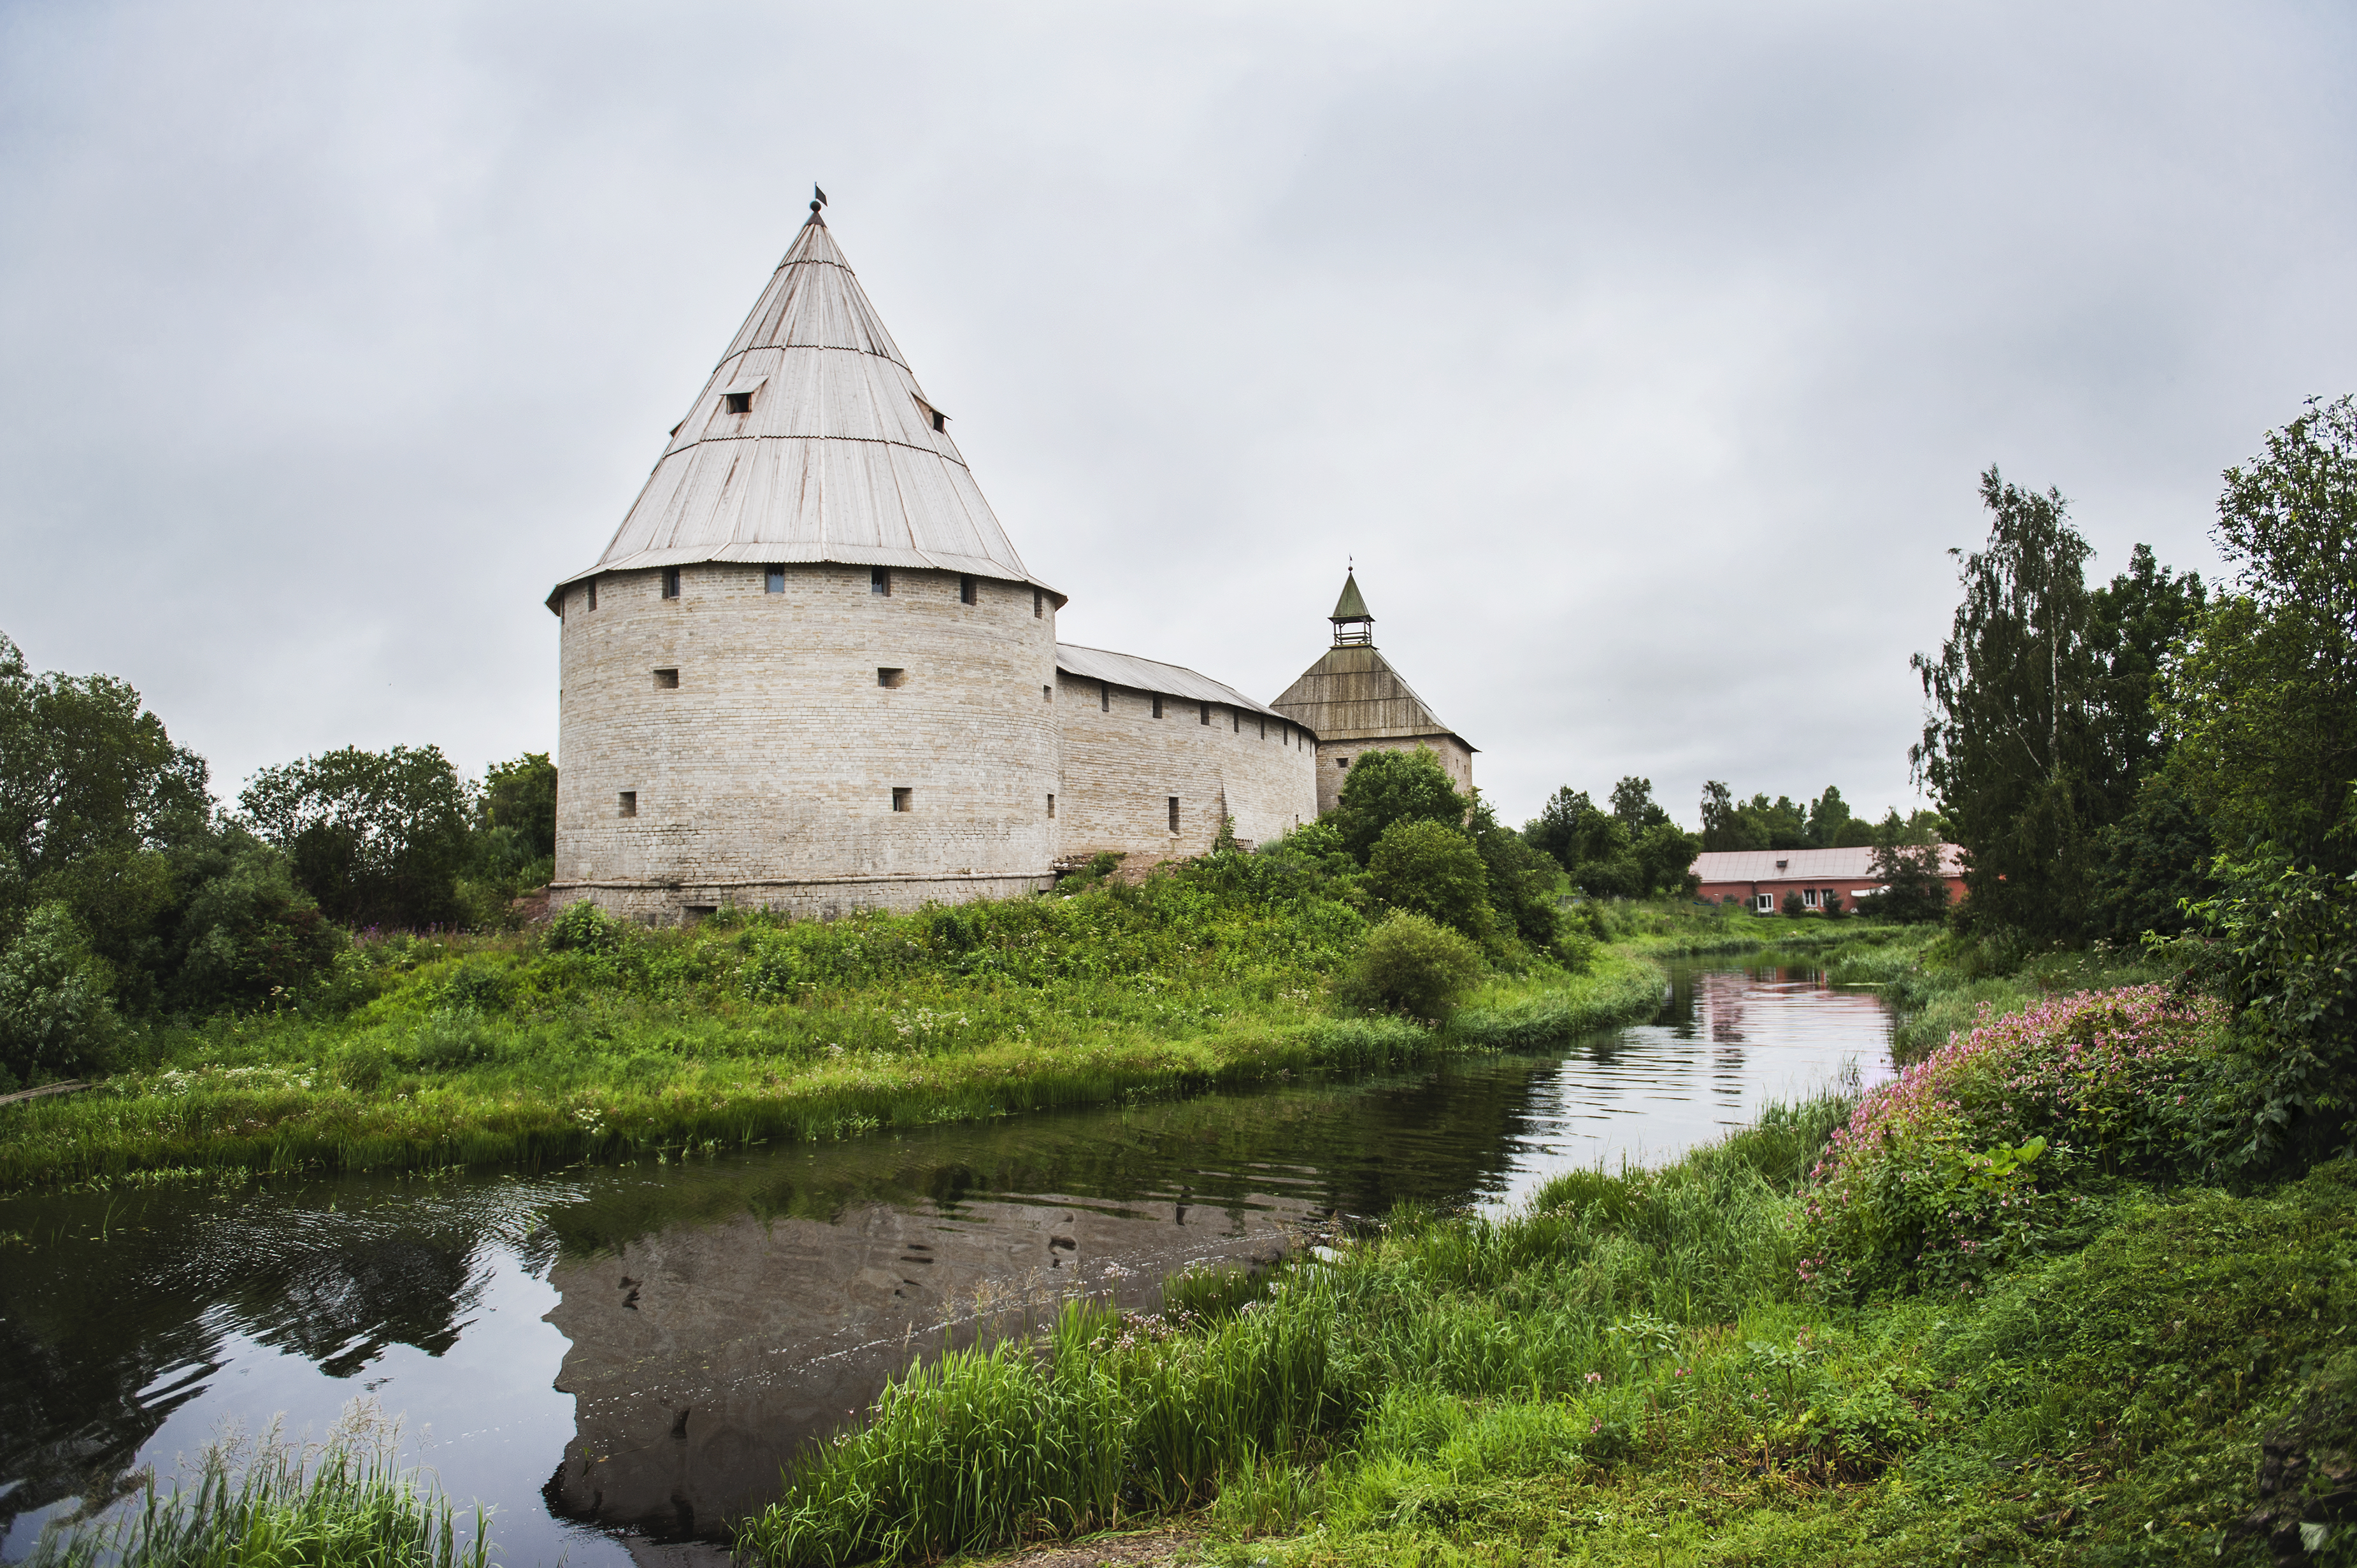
345,1505
501,1050
1682,928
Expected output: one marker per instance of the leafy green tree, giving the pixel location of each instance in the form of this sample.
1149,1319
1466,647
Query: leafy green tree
2007,746
2150,864
1634,808
1432,869
1725,824
1780,823
86,774
1829,817
1913,891
1388,787
378,838
2135,625
520,798
245,933
1570,829
2264,702
1521,882
56,1015
1664,855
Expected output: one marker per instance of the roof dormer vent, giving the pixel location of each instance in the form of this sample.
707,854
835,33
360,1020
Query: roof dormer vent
933,416
736,397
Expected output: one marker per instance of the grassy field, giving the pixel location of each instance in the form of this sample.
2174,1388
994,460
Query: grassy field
1797,1346
525,1049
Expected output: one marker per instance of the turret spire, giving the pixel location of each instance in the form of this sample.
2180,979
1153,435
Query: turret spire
1353,627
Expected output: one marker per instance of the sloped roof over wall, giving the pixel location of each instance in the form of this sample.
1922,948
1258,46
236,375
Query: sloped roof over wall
1353,693
1803,865
1129,670
836,458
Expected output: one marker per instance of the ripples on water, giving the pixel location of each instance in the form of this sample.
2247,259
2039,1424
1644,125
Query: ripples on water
644,1347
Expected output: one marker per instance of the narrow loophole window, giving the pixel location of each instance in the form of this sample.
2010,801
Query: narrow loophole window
879,581
627,805
666,680
1264,729
1239,721
1174,813
1205,713
593,592
671,582
1157,707
1047,693
966,593
890,677
903,799
1104,696
1038,604
1051,807
773,580
739,403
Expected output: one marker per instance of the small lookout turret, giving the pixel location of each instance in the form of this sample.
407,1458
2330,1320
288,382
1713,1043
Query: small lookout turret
1353,627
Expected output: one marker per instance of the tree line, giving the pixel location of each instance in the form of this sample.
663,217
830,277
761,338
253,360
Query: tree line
127,891
2154,758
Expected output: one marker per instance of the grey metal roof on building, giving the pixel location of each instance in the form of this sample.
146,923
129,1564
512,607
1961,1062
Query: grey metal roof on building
836,458
1353,693
1129,670
1803,865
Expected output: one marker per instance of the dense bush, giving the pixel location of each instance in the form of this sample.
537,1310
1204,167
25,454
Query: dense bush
1432,869
1412,965
55,1017
582,926
1386,788
248,935
378,838
1973,1155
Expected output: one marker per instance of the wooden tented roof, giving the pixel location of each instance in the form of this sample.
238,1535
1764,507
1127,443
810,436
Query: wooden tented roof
1353,693
836,456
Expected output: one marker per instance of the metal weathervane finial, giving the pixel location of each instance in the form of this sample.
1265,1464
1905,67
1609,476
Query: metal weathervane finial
818,198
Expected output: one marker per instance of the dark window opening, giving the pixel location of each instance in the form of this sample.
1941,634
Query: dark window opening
1047,693
1104,696
1052,805
671,582
1157,707
886,676
1264,729
879,581
1174,813
1038,604
1206,714
628,803
1341,762
773,581
966,590
739,403
903,799
666,680
1239,718
940,420
593,592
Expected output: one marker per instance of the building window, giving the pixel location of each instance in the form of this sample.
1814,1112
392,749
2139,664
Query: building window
879,581
1047,693
967,594
1809,897
666,680
1264,729
1051,808
1765,903
593,592
1341,762
737,403
1157,707
773,580
628,803
903,799
1174,813
671,583
1038,604
886,676
1104,696
1206,709
1238,723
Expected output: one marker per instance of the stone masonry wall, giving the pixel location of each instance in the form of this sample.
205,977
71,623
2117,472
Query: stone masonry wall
1122,766
767,776
1454,756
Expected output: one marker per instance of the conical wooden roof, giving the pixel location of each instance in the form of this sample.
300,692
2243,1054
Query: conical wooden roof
1353,693
838,456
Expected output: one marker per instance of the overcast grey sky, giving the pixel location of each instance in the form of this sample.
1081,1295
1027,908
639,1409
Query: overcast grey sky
1644,355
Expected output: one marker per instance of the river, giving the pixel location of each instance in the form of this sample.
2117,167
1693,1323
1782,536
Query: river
609,1356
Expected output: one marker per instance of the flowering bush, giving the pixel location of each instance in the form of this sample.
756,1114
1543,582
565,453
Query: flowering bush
1967,1158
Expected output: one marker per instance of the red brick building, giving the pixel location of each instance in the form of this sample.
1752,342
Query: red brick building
1761,877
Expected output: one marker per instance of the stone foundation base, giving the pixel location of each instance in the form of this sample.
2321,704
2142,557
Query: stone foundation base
678,902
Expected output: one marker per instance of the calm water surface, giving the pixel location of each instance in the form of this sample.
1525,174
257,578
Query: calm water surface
609,1356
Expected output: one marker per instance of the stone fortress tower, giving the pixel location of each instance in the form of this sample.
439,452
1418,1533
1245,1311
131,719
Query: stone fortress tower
810,672
1354,702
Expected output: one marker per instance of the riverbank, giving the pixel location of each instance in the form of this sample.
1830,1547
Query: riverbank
1982,1318
607,1044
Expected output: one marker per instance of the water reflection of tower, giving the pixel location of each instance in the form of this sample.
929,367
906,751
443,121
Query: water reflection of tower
1718,998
